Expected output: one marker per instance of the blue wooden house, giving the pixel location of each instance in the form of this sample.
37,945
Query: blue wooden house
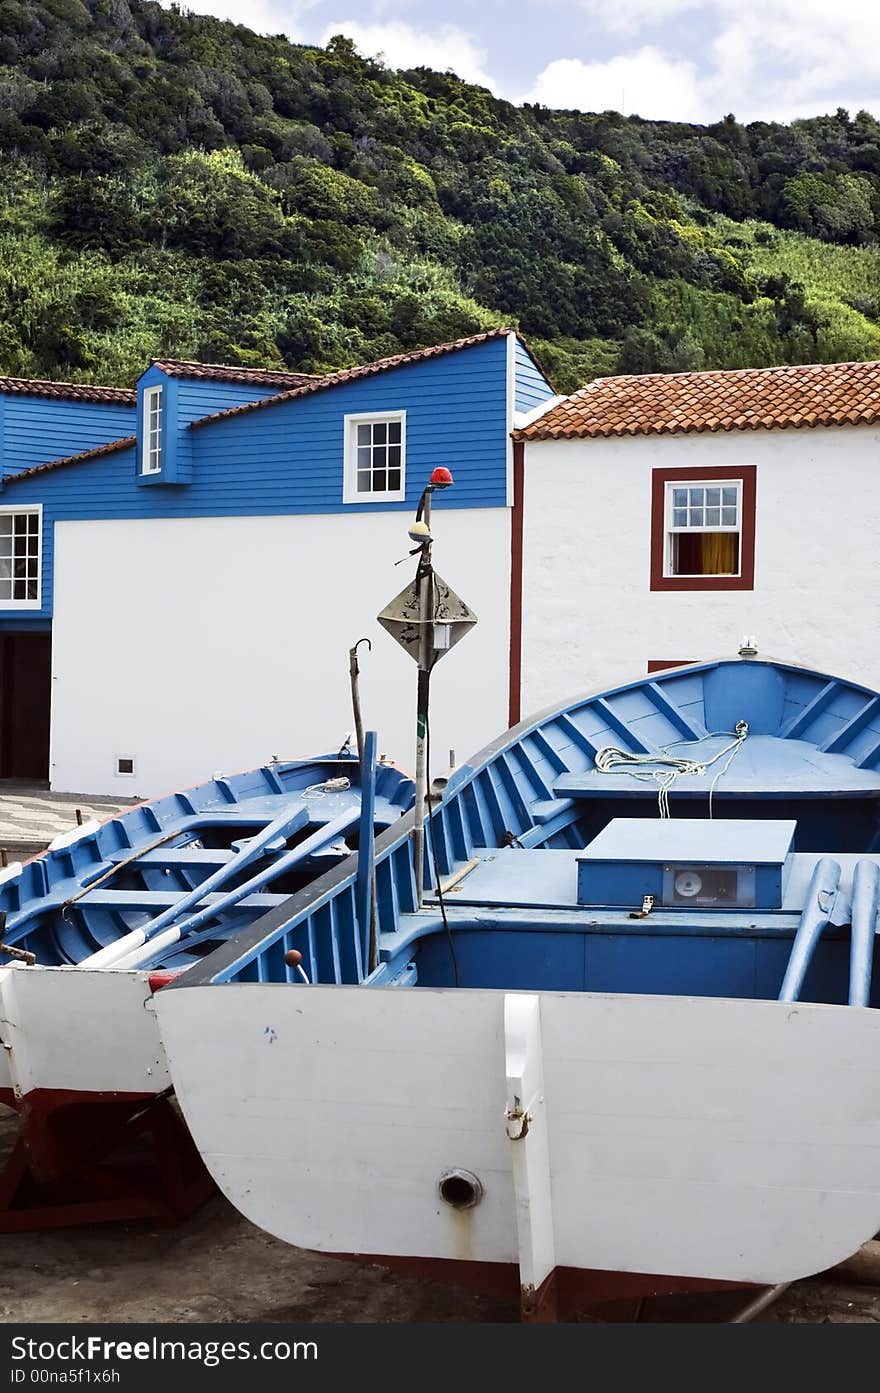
200,554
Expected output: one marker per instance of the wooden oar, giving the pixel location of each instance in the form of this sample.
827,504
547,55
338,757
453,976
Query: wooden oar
285,825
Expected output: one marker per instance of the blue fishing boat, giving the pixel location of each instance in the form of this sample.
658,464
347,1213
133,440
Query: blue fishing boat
113,912
622,1038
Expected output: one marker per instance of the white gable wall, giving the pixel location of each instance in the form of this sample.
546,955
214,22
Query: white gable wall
201,644
590,618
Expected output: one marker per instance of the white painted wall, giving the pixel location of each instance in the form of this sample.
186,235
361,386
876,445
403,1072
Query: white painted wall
590,618
204,644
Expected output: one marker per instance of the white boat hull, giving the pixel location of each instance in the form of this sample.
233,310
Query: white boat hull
730,1140
66,1031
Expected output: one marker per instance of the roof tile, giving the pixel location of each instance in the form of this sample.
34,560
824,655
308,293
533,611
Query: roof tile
124,444
223,372
689,402
336,379
67,391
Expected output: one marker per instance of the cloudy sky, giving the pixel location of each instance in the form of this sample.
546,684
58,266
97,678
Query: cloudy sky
689,60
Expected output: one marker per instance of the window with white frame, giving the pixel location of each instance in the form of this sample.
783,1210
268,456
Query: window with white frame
20,537
151,446
375,458
703,527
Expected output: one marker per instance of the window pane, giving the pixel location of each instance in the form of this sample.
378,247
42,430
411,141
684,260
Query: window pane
19,590
363,435
33,522
679,517
696,498
696,517
19,525
5,546
364,481
32,544
705,553
32,589
5,588
713,516
6,526
679,498
19,567
728,516
379,481
728,497
380,433
394,456
365,457
380,457
393,432
393,479
713,498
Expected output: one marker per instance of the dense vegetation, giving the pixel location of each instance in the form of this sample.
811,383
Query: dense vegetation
172,184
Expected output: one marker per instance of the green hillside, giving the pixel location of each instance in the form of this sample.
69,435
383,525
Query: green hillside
172,184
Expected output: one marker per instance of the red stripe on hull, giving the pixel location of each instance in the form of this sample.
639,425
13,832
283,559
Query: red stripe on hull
567,1292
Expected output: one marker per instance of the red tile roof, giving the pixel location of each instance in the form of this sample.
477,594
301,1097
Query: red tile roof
124,444
826,394
67,391
336,379
221,372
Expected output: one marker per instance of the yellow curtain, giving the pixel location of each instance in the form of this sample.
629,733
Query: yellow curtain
719,553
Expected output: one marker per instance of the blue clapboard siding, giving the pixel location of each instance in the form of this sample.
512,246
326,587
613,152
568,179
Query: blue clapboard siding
187,399
289,458
532,386
34,430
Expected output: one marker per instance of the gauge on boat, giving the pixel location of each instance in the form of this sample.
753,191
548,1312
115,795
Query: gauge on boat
688,884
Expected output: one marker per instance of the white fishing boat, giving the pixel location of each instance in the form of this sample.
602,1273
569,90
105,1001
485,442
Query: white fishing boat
620,1032
108,916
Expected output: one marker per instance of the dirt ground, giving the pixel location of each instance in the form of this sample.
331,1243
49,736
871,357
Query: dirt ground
217,1267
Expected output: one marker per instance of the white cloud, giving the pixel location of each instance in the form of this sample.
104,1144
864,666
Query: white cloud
763,59
404,46
643,83
263,16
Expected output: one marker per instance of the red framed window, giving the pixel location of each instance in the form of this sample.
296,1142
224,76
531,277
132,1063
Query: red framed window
703,528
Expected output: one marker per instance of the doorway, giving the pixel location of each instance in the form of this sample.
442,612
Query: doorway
25,703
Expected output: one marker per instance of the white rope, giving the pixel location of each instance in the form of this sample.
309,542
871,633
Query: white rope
664,768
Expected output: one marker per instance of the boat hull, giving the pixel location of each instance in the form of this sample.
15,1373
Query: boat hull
99,1039
728,1141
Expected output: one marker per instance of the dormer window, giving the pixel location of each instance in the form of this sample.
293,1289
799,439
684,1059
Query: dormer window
375,458
151,436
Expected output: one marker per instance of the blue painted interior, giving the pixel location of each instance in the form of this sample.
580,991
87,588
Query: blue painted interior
73,901
288,458
514,820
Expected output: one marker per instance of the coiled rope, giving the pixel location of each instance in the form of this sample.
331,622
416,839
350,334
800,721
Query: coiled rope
664,768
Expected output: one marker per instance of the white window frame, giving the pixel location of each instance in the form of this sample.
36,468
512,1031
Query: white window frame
152,444
349,477
670,530
32,510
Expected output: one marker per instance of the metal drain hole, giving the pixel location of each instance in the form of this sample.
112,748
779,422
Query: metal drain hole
461,1189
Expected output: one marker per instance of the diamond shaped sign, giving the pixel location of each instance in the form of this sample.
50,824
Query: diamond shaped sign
451,621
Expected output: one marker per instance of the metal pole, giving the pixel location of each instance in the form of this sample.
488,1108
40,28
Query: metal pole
426,648
759,1304
366,854
354,674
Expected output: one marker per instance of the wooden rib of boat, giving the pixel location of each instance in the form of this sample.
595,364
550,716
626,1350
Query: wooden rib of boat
614,1050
